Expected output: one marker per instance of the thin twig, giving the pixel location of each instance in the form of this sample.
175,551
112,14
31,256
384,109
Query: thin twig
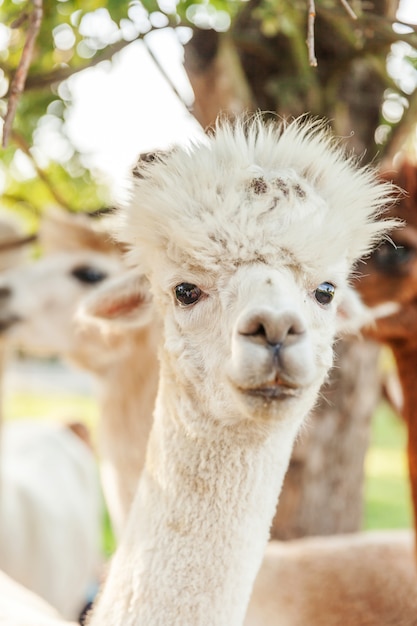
19,20
349,9
20,141
19,79
165,75
39,81
310,33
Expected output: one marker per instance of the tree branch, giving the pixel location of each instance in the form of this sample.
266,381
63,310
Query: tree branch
19,79
349,9
312,59
380,26
62,73
162,71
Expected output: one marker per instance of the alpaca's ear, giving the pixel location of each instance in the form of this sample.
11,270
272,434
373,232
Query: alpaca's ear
123,301
352,313
146,159
60,231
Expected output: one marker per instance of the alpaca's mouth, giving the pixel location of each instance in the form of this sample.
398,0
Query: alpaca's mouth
277,388
273,391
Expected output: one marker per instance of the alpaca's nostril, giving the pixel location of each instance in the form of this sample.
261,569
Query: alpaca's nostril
260,331
294,330
270,336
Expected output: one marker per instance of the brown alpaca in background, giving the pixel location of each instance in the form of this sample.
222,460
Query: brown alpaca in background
389,277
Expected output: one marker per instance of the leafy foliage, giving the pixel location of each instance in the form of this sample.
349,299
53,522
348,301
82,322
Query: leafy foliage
75,35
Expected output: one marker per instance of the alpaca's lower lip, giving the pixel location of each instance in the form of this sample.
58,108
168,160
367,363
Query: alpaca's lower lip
274,391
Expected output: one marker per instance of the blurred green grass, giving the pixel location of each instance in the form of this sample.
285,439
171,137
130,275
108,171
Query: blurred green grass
60,406
386,490
387,501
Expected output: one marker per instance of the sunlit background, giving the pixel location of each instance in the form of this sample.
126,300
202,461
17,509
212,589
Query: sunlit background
140,100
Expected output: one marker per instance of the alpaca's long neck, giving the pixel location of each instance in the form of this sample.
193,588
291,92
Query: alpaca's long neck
199,523
406,359
127,401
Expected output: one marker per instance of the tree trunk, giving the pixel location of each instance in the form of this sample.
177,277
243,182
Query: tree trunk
215,72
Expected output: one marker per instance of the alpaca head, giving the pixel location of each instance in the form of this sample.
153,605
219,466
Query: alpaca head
248,240
38,300
388,278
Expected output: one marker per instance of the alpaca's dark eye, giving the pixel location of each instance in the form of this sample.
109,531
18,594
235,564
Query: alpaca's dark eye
187,293
392,259
88,274
324,293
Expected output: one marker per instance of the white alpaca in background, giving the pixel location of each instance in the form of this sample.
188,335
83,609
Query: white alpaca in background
50,501
10,256
41,299
50,513
248,243
20,607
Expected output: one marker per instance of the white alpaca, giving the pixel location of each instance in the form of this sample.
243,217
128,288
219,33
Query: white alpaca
245,240
36,310
369,577
42,297
50,513
50,503
10,232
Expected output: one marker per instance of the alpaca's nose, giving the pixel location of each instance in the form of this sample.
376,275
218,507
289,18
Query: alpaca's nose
272,328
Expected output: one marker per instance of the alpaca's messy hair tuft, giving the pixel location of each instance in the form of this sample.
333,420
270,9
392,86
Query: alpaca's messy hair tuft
183,194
